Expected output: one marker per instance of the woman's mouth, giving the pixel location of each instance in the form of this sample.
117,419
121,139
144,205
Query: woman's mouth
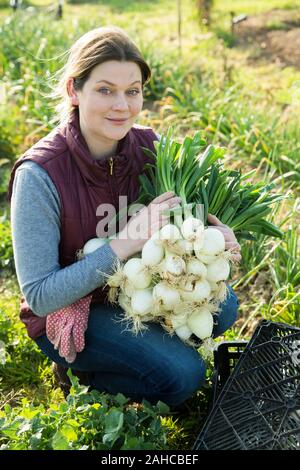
117,121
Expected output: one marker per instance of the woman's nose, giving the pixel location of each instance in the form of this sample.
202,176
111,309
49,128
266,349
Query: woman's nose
120,102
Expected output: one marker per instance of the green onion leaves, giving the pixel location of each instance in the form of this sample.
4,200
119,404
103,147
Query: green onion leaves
196,173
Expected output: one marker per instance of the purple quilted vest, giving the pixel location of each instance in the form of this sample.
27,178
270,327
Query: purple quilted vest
84,183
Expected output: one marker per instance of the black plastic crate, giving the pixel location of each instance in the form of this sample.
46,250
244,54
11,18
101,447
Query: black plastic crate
226,357
259,405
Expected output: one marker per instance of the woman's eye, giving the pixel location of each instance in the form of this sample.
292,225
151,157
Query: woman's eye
134,92
104,91
107,91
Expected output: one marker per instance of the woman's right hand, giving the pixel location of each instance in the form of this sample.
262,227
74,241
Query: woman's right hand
143,225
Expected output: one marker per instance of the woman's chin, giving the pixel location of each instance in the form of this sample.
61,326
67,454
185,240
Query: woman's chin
117,134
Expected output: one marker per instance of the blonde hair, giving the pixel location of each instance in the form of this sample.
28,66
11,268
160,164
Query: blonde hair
93,48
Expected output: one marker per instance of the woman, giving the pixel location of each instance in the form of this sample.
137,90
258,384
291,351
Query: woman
56,189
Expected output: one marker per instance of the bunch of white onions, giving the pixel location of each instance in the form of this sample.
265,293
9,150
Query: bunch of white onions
177,280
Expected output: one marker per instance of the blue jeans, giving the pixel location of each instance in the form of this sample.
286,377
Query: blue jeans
152,365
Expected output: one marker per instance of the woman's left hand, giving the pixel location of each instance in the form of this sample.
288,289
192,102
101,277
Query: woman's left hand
231,242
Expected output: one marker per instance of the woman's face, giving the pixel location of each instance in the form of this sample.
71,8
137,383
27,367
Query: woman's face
110,100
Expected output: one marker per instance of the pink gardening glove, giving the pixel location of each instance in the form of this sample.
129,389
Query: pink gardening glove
65,328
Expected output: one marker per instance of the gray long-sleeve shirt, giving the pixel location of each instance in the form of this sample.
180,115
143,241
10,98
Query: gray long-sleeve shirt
35,224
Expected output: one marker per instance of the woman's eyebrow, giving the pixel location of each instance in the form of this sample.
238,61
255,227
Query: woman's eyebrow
113,84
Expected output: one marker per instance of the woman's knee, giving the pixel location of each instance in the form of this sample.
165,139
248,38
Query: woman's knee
182,382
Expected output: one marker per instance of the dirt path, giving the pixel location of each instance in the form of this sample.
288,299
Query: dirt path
274,35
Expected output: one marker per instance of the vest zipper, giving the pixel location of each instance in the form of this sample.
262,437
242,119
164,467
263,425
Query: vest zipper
111,166
113,184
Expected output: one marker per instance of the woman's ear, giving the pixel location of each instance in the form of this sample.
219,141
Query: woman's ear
72,92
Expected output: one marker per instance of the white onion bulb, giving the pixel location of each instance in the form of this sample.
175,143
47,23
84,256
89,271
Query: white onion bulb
152,253
174,265
196,267
206,259
213,241
169,232
218,271
185,246
142,301
201,323
166,295
178,320
136,274
190,227
196,292
92,245
183,332
212,245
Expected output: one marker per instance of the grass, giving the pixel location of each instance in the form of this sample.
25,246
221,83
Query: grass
209,84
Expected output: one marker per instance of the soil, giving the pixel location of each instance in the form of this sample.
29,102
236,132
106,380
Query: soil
273,35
